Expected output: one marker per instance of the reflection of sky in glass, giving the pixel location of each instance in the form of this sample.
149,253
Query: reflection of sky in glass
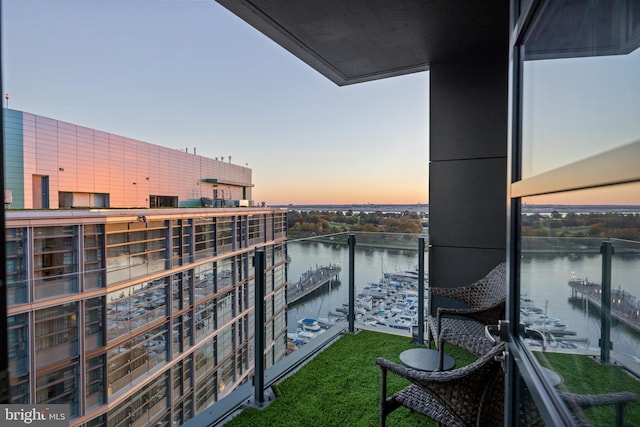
578,107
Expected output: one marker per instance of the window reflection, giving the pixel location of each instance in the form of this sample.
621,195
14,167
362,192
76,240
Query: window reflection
149,407
225,274
134,307
59,385
224,234
94,272
561,276
136,358
16,259
56,333
204,237
204,279
581,84
55,261
17,333
135,249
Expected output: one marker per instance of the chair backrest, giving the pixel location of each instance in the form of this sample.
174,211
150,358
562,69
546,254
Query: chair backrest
491,289
490,394
491,411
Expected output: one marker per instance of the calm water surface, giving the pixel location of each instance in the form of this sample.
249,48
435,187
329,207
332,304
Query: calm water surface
544,279
369,267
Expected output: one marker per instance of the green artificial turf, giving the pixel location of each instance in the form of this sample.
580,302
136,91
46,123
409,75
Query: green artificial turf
341,387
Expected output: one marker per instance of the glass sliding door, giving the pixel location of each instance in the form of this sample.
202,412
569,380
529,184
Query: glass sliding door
574,246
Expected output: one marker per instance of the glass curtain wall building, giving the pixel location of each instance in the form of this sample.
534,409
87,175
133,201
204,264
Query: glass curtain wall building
139,316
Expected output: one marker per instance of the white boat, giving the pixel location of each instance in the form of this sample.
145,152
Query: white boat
408,276
309,324
306,335
376,290
327,322
364,301
396,322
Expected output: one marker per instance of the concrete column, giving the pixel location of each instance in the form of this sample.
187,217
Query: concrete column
468,168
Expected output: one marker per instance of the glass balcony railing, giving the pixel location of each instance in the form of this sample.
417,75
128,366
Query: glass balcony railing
562,326
580,315
385,275
373,274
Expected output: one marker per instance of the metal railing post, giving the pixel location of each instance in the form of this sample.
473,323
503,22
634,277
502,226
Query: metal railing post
258,376
607,250
421,290
352,284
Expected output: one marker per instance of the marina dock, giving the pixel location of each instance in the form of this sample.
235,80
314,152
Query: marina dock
312,280
625,307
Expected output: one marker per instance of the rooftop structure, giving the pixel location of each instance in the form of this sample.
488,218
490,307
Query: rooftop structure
54,164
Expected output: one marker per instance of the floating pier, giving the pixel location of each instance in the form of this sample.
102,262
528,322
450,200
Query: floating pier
311,281
625,307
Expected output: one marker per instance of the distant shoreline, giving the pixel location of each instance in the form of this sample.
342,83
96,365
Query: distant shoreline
424,207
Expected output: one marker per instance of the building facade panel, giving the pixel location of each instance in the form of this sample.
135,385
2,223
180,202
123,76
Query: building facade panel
67,163
74,159
86,164
13,154
101,170
116,171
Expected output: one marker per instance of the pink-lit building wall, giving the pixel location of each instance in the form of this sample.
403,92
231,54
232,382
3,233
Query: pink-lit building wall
92,168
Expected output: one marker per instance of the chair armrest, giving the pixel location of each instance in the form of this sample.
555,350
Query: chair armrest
591,400
455,396
619,399
421,376
482,315
470,310
439,376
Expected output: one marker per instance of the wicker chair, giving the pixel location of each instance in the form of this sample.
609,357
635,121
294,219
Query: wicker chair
577,402
471,309
467,396
530,416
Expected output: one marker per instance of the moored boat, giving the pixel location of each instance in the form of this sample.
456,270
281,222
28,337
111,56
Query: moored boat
309,324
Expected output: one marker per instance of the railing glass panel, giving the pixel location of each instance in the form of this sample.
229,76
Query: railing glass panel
579,305
385,280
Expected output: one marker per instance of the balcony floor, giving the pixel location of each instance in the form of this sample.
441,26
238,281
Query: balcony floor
341,386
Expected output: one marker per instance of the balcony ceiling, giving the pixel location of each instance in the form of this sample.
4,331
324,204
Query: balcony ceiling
352,41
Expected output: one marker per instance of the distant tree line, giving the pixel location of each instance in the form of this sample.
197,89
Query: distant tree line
316,222
605,225
602,225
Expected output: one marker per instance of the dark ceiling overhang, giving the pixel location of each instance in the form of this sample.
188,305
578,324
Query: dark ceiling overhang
579,28
353,41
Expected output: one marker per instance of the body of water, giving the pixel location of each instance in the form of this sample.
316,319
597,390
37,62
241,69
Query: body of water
370,264
544,280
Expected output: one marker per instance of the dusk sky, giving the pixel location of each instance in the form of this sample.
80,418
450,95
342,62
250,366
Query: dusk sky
187,74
